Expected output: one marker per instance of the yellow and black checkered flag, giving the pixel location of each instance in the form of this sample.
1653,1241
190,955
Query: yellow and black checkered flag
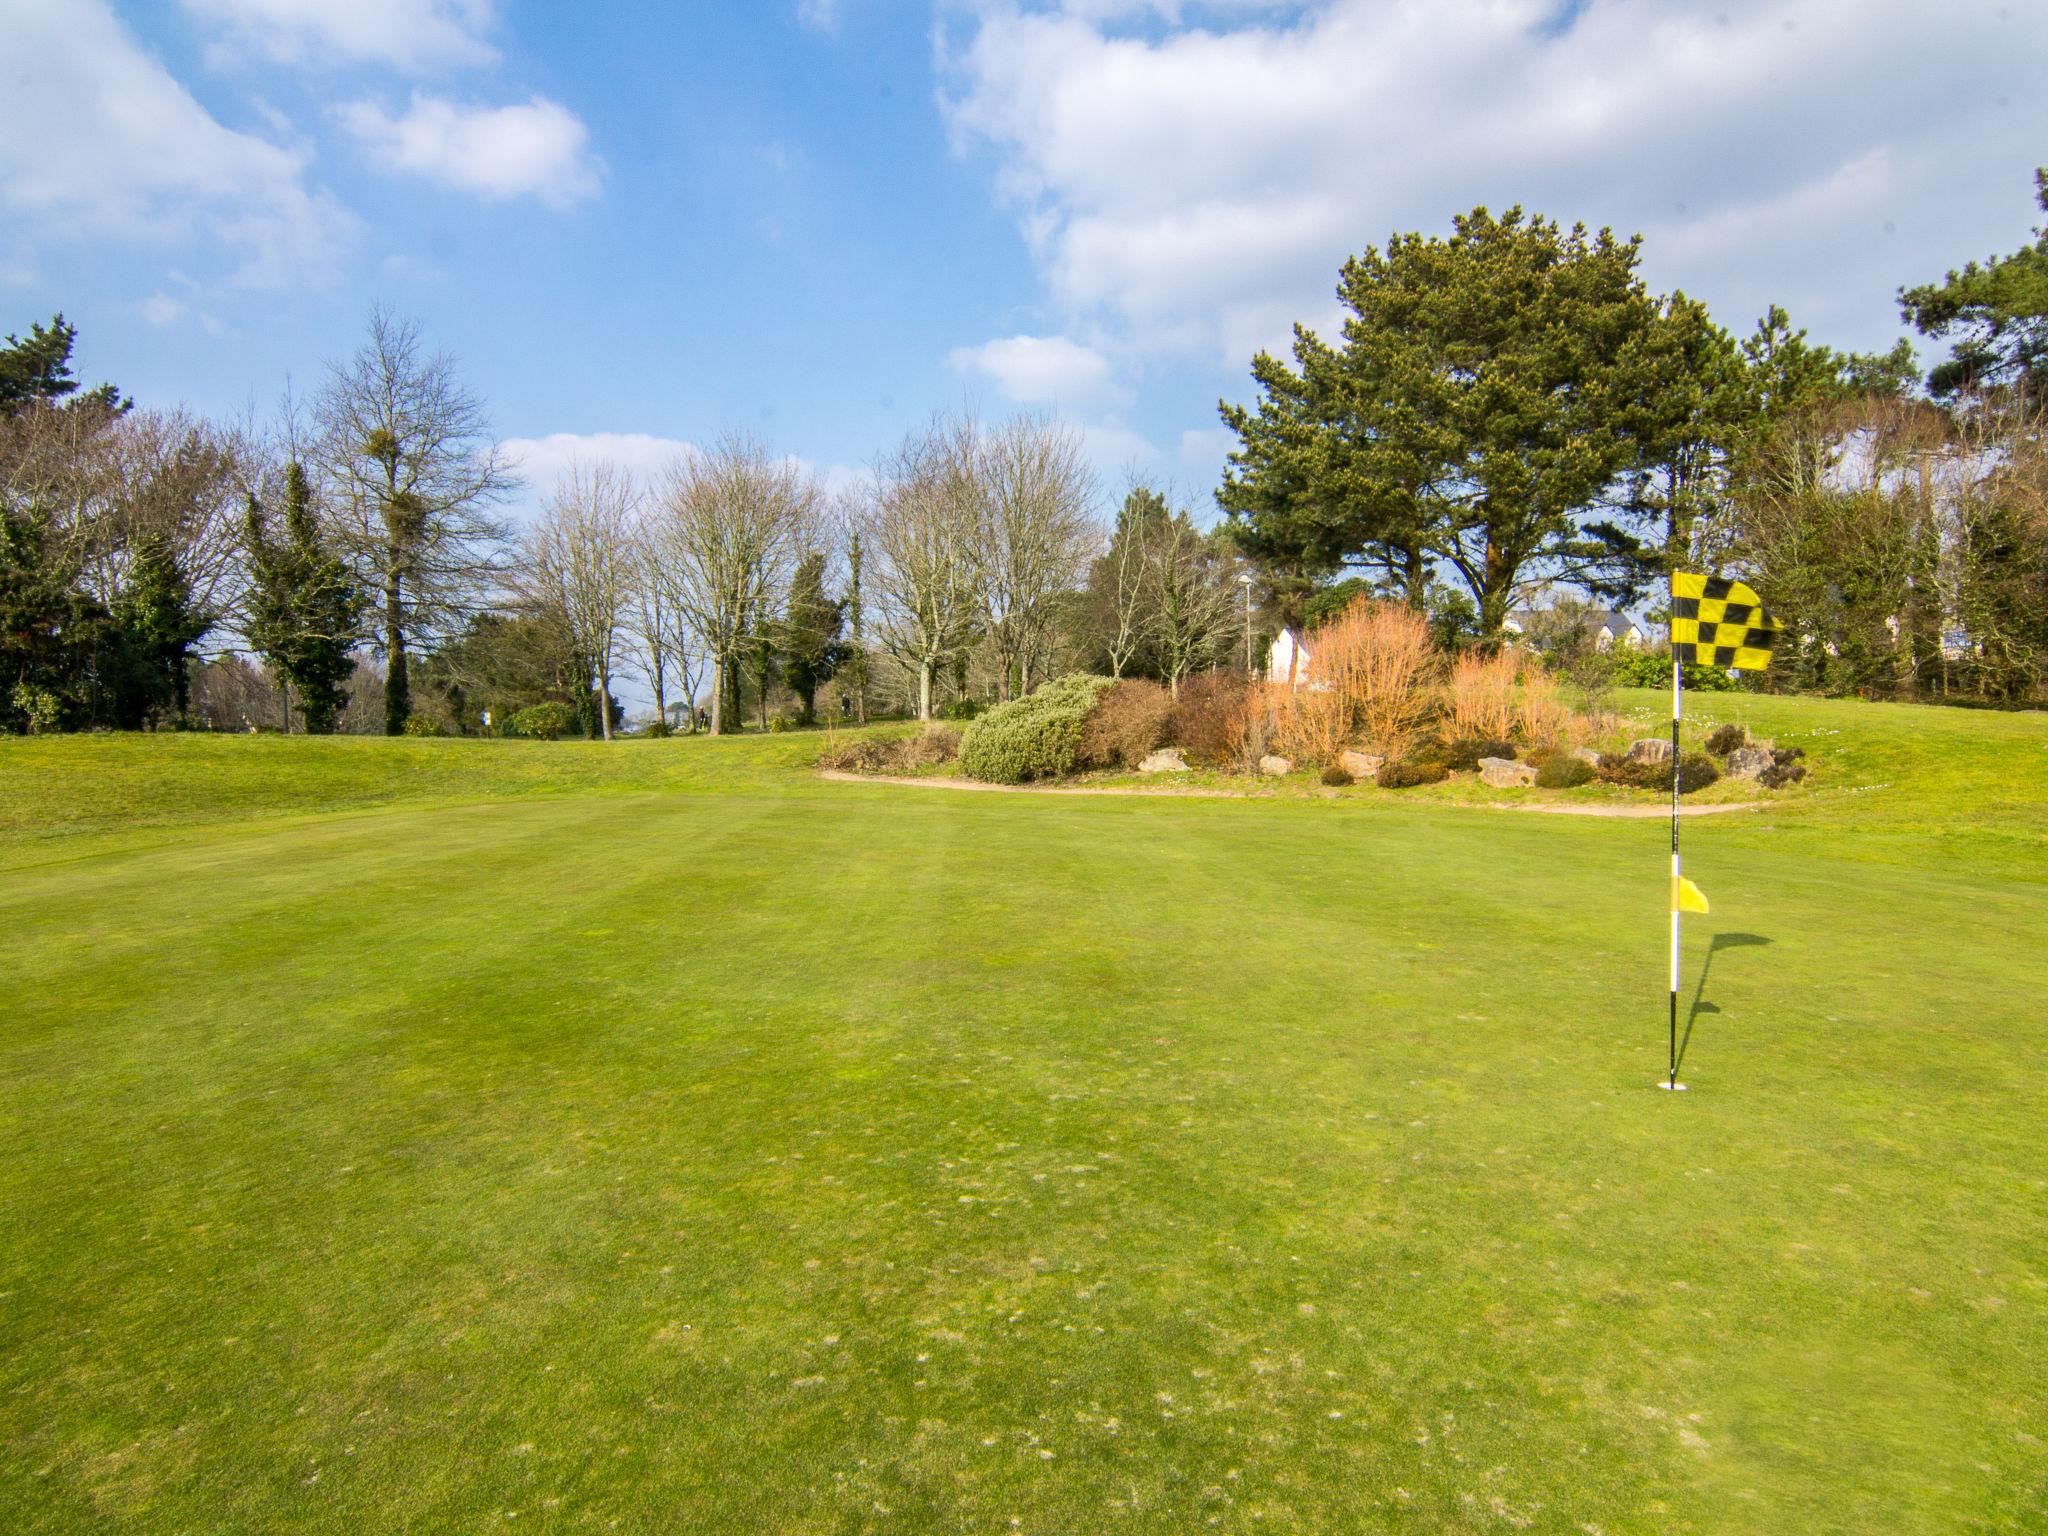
1722,622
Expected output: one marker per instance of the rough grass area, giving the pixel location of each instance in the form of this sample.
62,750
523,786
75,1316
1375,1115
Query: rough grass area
434,1136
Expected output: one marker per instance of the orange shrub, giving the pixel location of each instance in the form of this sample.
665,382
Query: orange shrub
1368,677
1479,700
1541,716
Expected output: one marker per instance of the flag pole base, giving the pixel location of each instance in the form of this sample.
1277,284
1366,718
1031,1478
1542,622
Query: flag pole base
1671,1086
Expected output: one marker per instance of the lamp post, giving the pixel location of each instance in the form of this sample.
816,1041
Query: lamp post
1247,580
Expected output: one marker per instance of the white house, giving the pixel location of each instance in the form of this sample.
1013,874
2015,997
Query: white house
1607,626
1287,659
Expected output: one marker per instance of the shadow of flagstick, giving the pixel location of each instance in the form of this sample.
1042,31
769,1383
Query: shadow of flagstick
1700,1005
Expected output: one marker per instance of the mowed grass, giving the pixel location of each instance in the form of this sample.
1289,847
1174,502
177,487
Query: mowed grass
444,1136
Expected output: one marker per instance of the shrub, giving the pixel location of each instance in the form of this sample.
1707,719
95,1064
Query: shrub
961,709
933,745
779,723
1695,771
1563,771
1368,676
1407,772
1479,698
1128,721
42,709
1035,737
1463,755
1726,739
1652,669
1337,776
1207,720
1541,715
1778,775
542,722
659,728
422,725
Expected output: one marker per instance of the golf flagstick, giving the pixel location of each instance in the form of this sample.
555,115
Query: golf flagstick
1677,708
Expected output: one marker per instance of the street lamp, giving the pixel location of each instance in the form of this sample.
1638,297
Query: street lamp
1246,578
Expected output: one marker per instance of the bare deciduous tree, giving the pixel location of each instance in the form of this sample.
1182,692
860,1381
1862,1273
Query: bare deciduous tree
413,475
582,554
1191,598
728,523
922,531
1032,539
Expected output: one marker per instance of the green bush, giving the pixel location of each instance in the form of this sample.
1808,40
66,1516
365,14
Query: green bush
542,722
1412,771
960,709
1563,771
1652,669
1463,755
659,728
1035,737
1337,776
780,723
421,725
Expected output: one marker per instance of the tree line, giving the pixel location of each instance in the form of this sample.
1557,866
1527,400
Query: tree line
1509,409
354,568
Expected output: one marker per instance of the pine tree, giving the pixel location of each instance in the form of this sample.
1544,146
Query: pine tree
305,609
810,634
158,624
38,368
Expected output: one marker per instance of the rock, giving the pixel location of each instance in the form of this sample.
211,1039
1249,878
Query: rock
1165,760
1650,749
1505,773
1587,756
1275,767
1364,767
1748,762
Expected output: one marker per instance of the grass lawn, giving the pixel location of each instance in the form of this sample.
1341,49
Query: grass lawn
451,1136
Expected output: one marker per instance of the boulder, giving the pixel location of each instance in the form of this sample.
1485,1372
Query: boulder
1587,756
1275,767
1650,749
1505,773
1362,766
1748,762
1165,760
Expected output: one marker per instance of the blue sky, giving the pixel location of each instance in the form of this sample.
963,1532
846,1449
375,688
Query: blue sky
819,220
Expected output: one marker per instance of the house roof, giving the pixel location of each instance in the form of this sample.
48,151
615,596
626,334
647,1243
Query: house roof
1594,618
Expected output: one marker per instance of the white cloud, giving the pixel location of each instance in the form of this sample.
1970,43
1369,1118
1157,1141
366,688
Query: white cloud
1038,370
818,15
99,141
409,34
541,461
536,149
1193,189
161,309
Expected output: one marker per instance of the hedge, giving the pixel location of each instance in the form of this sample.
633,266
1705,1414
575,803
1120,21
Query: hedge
1035,737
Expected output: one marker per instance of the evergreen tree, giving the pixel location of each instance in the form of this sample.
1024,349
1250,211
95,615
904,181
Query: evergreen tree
304,608
855,666
158,623
811,628
38,368
2001,310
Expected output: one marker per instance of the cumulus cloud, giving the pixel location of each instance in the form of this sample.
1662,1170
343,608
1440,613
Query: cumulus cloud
537,149
100,141
408,34
541,461
1038,370
1194,187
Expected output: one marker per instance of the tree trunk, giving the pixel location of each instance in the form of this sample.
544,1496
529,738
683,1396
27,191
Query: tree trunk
924,690
718,695
397,687
604,703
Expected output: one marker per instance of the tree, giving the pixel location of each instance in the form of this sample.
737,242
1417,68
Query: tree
812,625
1033,536
413,474
729,522
37,370
924,527
1490,391
855,667
1192,587
158,624
1998,310
304,605
1119,582
582,556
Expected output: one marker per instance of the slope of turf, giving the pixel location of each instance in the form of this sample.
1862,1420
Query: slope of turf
451,1136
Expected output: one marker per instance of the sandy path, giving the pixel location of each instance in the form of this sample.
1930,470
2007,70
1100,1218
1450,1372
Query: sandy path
1167,791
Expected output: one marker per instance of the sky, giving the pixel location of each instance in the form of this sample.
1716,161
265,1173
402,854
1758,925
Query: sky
637,226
